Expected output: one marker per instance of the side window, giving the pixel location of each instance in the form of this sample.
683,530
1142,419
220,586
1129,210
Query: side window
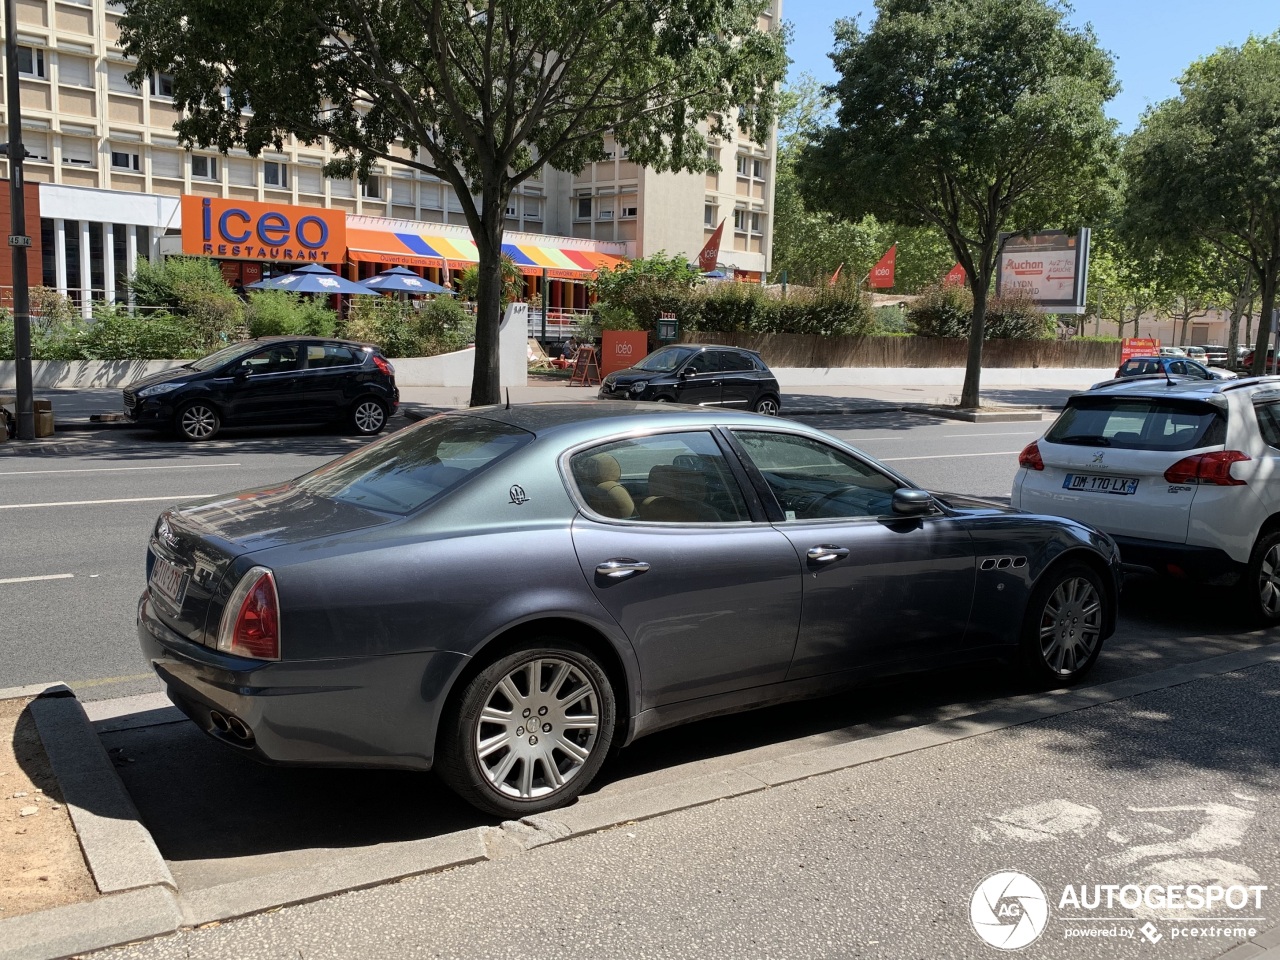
666,478
330,355
732,362
1269,422
705,362
1177,367
276,359
813,481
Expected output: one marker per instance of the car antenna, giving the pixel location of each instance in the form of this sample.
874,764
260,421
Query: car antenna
508,398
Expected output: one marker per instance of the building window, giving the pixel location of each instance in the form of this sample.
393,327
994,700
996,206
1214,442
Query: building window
372,188
31,62
162,85
36,145
740,221
78,153
532,209
756,220
118,78
757,169
124,160
713,154
710,215
743,164
629,213
204,168
275,174
584,209
605,209
75,71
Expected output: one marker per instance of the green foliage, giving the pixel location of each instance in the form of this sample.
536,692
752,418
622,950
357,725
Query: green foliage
946,310
191,288
402,329
115,334
481,97
634,295
512,282
6,335
890,320
283,312
745,307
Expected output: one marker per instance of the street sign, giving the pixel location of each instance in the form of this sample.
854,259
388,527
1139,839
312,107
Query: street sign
16,240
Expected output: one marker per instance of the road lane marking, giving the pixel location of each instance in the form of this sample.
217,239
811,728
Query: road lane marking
94,503
172,466
103,681
956,456
51,576
859,439
1007,433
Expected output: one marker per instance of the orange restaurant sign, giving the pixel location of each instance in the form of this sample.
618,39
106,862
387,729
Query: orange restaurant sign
245,230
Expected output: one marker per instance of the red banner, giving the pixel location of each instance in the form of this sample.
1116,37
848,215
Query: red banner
882,273
710,254
956,276
835,276
1138,347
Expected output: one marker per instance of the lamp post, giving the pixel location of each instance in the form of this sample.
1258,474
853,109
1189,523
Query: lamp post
19,242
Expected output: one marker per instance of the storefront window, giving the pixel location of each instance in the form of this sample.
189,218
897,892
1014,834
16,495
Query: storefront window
120,251
71,230
48,253
97,263
144,242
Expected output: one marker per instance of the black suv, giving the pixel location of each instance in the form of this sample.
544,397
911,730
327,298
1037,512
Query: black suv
268,381
702,374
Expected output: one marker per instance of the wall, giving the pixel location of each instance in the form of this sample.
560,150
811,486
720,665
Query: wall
31,207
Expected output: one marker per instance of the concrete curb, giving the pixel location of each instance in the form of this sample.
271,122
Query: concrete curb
154,910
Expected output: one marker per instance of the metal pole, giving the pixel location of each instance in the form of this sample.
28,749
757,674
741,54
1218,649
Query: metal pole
19,242
545,296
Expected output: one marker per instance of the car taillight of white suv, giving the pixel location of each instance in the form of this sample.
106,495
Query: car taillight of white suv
1185,477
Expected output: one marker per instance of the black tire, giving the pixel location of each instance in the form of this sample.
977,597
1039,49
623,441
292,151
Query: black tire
367,416
517,776
1261,584
197,420
767,406
1062,630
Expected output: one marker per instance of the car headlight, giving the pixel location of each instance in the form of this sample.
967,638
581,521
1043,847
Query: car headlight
639,387
158,389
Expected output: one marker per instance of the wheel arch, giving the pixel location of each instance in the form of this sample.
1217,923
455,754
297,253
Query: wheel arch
1095,563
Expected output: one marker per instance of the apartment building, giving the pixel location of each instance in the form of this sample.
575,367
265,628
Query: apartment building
110,175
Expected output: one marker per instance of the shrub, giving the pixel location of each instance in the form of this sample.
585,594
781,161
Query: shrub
890,321
748,308
191,288
1016,317
946,310
512,282
403,329
282,312
6,335
115,334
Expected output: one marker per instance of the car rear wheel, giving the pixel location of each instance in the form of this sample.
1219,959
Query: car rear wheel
368,416
1062,633
1262,582
767,406
198,421
530,731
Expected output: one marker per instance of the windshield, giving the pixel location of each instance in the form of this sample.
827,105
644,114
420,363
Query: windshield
666,360
1139,424
414,466
226,354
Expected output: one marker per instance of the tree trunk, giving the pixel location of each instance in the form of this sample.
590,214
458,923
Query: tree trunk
485,384
970,393
1264,319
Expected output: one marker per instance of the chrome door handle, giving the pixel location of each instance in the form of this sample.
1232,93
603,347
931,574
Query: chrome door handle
826,553
621,567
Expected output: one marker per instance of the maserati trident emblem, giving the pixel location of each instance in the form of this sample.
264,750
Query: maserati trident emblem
518,496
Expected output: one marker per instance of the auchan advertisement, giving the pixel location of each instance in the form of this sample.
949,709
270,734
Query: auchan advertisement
246,230
1051,267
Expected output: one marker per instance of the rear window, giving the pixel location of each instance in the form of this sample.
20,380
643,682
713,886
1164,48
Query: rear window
1139,424
409,469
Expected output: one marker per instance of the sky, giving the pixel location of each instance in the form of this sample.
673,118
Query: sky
1151,41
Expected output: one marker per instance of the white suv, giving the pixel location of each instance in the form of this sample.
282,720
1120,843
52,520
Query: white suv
1185,476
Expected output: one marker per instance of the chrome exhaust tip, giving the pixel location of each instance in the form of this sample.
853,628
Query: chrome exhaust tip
219,721
238,729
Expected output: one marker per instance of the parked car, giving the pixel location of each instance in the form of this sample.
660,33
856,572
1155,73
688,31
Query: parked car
1214,355
1246,364
1185,476
1197,354
1171,352
1170,366
504,594
706,375
271,380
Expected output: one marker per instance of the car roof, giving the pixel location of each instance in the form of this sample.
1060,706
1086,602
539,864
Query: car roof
1157,387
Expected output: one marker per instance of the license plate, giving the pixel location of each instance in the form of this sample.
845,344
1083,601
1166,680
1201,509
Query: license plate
1089,483
169,579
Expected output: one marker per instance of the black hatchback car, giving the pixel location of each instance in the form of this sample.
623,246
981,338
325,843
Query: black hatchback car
271,380
702,374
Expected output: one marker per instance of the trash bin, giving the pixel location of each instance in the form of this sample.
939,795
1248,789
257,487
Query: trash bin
44,418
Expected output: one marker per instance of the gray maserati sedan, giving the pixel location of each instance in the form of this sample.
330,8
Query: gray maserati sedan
504,594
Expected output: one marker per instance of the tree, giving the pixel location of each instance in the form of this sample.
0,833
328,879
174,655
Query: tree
1204,167
974,116
482,95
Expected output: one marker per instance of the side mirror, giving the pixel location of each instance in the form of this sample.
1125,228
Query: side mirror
241,373
912,503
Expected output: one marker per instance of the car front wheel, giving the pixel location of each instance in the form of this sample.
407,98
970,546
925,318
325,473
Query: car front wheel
1062,632
767,406
530,731
198,421
368,416
1262,582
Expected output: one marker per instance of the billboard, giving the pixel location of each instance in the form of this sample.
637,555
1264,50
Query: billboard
1052,267
247,230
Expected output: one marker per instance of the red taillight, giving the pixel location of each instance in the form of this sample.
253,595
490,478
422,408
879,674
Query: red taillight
1030,457
384,365
1207,468
251,620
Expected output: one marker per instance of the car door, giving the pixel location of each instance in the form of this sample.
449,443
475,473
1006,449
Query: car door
699,380
739,379
708,596
878,588
327,385
263,386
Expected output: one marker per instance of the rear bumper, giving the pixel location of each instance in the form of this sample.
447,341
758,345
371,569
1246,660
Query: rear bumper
360,711
1206,564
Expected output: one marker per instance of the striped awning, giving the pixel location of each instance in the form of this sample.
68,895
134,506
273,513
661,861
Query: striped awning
458,253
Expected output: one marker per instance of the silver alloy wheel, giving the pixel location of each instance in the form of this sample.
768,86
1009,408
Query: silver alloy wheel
1269,582
1070,626
538,728
369,416
768,407
198,422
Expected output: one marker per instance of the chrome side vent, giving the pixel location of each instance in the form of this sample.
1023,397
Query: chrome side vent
1002,563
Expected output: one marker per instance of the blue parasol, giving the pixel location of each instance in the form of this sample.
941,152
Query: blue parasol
401,280
313,278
